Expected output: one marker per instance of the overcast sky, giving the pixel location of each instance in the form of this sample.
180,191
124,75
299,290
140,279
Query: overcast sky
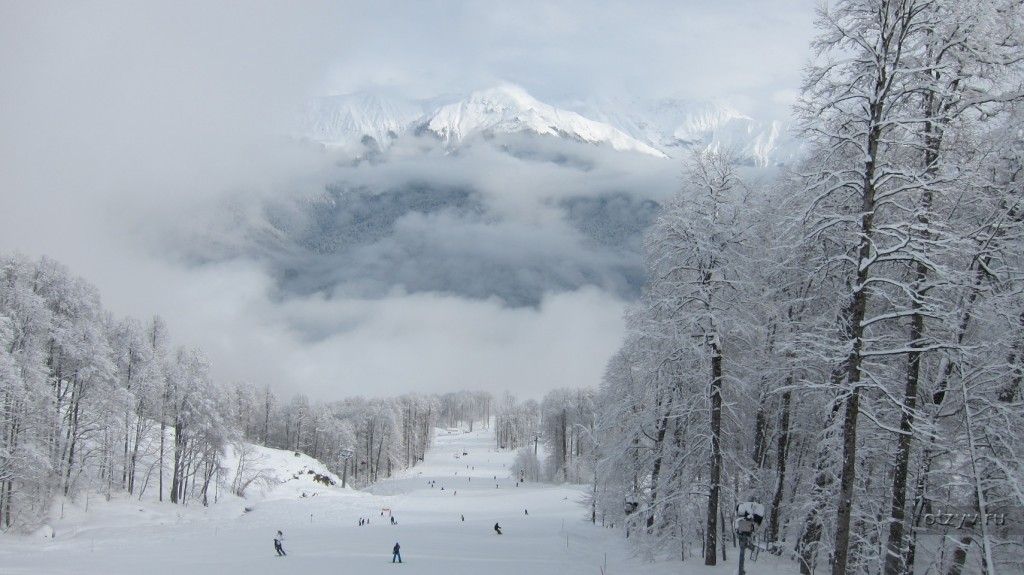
123,125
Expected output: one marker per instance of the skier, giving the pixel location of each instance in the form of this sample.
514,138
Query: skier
395,553
463,518
526,511
279,544
497,529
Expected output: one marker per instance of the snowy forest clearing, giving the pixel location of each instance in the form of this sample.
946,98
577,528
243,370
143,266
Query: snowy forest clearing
322,533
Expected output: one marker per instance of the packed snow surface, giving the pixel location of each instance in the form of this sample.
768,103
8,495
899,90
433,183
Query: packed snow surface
322,533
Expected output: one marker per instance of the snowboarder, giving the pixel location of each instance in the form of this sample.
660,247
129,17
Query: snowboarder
395,553
497,529
279,544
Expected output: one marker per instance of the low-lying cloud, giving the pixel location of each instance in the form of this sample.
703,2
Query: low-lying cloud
141,146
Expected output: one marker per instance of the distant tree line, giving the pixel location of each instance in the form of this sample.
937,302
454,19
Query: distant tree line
90,403
563,423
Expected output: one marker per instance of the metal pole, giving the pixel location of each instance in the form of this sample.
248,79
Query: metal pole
744,537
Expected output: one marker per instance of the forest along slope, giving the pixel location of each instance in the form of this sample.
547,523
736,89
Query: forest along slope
322,533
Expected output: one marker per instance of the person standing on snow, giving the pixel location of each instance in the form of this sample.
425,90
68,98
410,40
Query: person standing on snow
395,553
279,544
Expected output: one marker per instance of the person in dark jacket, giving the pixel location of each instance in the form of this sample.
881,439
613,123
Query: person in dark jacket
395,553
279,544
497,529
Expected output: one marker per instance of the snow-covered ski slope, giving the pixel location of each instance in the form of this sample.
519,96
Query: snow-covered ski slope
322,533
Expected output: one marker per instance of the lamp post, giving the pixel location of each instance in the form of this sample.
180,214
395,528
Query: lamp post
345,454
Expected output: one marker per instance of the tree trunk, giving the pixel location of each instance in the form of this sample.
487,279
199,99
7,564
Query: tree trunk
781,452
760,425
807,546
857,310
659,442
177,470
710,549
895,547
72,435
846,482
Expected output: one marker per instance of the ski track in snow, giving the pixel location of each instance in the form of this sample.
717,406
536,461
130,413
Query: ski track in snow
322,533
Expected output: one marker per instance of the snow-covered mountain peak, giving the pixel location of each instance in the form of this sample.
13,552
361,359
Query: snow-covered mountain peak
509,109
505,96
698,122
675,125
368,123
348,118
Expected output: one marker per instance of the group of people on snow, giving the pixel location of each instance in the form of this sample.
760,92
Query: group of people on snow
396,550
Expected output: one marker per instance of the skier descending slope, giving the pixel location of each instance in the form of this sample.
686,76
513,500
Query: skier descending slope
395,553
279,544
497,529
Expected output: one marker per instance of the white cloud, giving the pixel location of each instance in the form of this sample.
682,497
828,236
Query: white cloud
125,125
399,342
